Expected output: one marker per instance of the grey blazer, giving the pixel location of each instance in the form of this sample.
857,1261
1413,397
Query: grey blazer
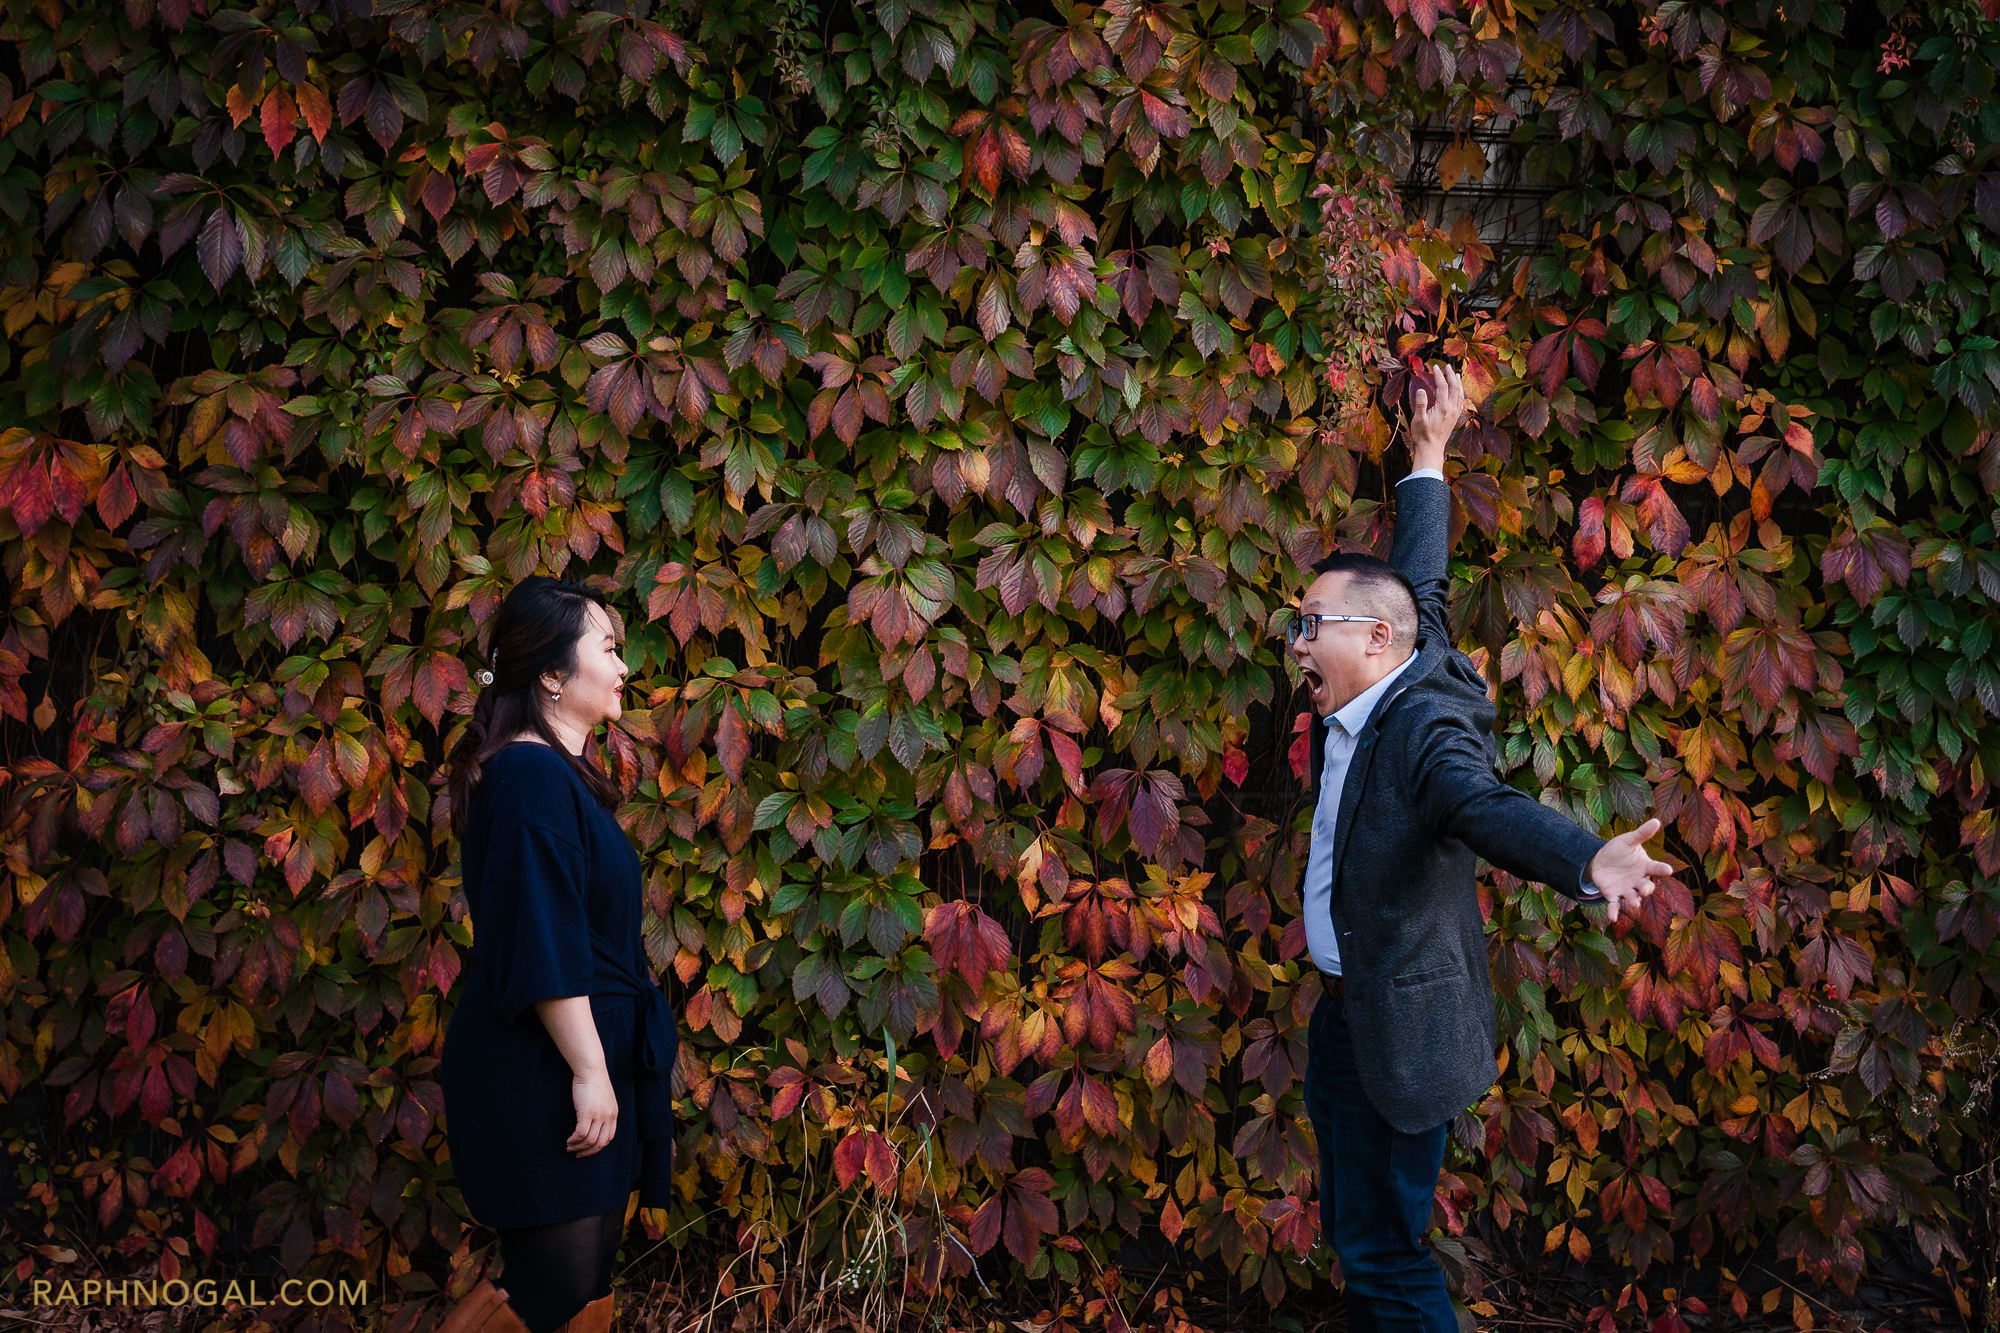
1422,802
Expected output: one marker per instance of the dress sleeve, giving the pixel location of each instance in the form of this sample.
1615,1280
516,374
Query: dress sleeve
530,928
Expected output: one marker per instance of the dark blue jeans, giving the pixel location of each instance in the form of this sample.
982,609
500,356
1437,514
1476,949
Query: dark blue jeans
1375,1187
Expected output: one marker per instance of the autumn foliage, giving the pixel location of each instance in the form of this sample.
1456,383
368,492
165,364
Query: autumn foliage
952,397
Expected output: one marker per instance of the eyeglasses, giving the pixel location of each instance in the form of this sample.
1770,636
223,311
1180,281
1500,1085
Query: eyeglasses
1306,626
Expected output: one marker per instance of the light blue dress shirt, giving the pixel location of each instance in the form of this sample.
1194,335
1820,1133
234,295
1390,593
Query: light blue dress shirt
1343,727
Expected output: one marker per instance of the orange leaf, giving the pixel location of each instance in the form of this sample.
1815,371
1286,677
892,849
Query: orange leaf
239,105
317,108
75,471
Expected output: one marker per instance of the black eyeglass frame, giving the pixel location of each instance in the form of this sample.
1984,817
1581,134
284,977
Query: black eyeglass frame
1310,621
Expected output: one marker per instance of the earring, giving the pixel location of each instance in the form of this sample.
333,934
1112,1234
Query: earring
554,695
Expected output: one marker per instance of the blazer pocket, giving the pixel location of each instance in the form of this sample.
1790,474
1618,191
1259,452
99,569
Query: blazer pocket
1409,979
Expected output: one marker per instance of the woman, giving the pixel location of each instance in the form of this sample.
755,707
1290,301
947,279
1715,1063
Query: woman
558,1061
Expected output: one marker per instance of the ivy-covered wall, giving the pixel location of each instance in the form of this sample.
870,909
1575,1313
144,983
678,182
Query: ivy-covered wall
952,394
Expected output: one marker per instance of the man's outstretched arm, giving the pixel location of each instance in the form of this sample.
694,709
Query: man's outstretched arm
1458,794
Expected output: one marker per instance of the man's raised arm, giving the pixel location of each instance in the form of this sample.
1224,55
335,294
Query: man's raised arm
1423,499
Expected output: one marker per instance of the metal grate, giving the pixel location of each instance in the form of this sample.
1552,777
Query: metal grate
1509,210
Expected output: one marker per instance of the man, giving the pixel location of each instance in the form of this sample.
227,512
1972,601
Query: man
1403,1037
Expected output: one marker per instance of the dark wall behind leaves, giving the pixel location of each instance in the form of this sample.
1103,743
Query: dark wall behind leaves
951,395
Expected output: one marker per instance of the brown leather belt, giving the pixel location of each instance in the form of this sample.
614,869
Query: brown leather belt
1334,986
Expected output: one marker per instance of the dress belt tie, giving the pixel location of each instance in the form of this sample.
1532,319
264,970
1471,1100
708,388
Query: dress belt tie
659,1048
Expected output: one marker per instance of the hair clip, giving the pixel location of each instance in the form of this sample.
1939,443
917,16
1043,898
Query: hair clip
485,676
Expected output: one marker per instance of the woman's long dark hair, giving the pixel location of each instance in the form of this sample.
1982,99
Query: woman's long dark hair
534,632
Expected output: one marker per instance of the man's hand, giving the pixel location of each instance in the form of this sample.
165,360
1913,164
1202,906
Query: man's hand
1433,422
1624,871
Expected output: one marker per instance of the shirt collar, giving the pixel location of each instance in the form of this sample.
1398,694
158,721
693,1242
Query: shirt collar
1354,716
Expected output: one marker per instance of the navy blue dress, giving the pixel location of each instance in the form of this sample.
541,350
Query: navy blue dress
553,884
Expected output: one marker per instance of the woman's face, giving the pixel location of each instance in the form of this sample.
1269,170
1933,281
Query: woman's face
594,692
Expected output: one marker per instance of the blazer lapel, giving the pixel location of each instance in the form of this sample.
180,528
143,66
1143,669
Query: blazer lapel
1350,796
1363,761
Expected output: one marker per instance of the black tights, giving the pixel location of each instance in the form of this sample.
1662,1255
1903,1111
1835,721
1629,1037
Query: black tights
551,1272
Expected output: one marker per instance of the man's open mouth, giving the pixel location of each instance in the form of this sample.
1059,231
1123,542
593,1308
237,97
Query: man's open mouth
1312,679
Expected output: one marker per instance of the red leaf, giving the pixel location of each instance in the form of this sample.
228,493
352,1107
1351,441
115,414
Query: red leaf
438,195
116,498
963,937
1842,961
1100,1107
1651,997
1099,1011
1235,765
850,1158
413,1122
1667,526
280,118
1300,752
26,493
433,683
317,781
1156,812
1699,946
1865,561
180,1173
985,160
444,966
1070,756
141,1022
1707,400
1817,740
1031,1214
984,1228
881,1161
1545,360
732,742
1589,541
1170,121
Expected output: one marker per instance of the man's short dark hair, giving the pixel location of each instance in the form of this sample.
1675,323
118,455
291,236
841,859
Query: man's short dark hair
1379,589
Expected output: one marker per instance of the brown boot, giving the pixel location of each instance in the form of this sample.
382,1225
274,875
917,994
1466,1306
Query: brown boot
484,1310
592,1318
